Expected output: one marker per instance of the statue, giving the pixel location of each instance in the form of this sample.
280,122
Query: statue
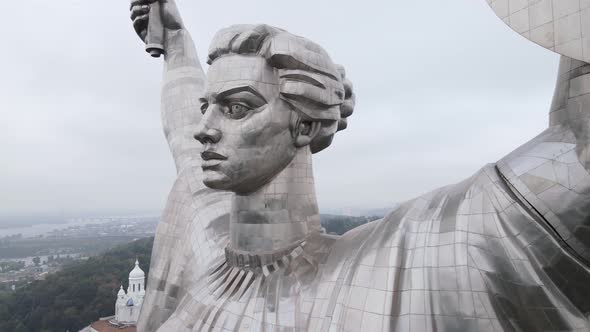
240,247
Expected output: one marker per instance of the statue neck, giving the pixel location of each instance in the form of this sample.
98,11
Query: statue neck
281,214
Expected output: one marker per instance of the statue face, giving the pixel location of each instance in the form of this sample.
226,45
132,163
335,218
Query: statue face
245,127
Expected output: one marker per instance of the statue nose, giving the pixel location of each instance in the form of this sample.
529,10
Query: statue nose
208,135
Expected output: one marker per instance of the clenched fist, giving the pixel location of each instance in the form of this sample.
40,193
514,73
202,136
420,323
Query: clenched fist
142,16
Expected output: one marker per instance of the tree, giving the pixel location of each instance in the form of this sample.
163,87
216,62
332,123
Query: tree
11,266
4,314
20,327
73,298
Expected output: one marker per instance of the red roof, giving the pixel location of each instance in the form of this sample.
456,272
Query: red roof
105,326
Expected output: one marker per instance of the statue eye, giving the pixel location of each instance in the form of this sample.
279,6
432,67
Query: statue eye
204,107
237,110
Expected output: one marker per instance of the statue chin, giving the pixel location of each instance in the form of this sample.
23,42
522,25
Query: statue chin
245,178
216,180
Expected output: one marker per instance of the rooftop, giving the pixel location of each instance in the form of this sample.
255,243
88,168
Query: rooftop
105,326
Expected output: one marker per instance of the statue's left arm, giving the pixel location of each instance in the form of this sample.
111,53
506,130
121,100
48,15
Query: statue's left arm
551,172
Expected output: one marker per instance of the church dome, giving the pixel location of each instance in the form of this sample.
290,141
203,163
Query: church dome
121,291
137,272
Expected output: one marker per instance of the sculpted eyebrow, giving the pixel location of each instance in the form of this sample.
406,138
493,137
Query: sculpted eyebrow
235,90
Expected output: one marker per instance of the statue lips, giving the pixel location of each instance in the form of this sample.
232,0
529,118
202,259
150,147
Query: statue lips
211,159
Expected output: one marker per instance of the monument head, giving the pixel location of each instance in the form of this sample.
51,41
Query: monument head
269,94
512,237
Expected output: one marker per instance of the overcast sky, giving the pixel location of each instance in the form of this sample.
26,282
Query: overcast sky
443,88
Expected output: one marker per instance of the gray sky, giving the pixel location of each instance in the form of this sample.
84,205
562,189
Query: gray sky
443,88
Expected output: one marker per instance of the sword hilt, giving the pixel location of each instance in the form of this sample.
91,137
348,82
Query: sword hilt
155,31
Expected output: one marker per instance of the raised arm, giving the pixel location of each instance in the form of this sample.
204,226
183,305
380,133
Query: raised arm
193,213
183,79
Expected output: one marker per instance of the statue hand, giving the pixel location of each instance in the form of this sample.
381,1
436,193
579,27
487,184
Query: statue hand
140,10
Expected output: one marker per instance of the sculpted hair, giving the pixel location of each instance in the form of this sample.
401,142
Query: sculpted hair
309,81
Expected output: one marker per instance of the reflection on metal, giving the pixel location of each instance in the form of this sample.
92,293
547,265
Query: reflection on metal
562,26
240,248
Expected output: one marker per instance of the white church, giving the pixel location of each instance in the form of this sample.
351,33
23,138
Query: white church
127,306
129,303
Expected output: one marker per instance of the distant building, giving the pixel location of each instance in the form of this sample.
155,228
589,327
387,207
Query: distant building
127,306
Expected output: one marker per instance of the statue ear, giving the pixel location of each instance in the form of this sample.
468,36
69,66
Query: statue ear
306,132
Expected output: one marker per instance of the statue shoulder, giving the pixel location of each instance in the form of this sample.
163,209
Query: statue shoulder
442,210
550,176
